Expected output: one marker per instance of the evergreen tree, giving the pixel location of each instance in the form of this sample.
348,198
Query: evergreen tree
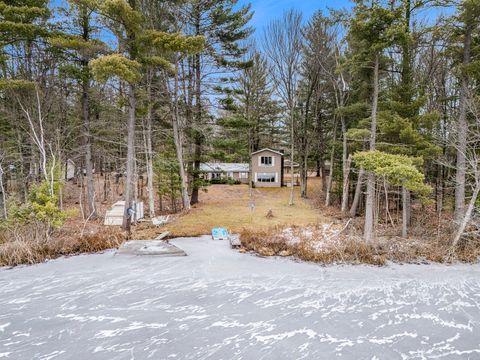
372,29
136,38
224,28
80,47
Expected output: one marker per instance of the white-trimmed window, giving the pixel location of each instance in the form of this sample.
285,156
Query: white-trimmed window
266,177
243,175
266,160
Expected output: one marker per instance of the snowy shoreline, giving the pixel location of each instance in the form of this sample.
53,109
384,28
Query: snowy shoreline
216,303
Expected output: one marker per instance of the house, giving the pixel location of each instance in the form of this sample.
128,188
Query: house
237,171
267,168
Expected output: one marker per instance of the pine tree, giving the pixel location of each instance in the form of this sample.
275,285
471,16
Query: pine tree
80,48
137,39
224,28
372,29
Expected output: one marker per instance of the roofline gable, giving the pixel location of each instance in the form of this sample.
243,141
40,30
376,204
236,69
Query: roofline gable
266,149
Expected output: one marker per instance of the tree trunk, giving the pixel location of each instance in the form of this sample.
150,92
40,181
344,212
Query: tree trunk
130,181
346,162
87,138
462,129
149,152
3,197
404,212
468,215
292,150
330,175
178,140
303,176
358,193
198,121
368,232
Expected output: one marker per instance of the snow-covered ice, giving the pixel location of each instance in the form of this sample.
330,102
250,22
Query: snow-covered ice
216,303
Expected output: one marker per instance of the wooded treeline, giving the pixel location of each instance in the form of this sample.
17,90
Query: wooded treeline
381,101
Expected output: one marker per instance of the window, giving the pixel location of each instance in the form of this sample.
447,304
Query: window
243,175
216,175
266,160
266,177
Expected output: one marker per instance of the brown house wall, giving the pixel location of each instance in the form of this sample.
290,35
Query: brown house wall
276,168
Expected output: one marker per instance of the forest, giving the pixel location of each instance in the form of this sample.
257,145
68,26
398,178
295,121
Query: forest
380,101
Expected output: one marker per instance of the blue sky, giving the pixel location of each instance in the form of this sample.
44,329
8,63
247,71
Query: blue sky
267,10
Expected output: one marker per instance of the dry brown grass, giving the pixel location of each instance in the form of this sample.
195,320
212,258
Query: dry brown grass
30,244
335,244
228,206
320,245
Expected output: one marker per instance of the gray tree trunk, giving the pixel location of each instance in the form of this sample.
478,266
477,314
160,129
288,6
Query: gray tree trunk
198,119
462,129
178,140
358,193
368,232
87,135
346,162
87,138
405,206
292,150
330,175
130,181
3,196
149,154
468,215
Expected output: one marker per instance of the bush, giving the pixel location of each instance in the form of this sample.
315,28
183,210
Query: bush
225,181
40,207
327,246
28,244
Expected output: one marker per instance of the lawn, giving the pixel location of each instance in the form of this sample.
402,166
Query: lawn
228,206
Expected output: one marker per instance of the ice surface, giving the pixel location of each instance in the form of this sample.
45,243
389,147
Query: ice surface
219,304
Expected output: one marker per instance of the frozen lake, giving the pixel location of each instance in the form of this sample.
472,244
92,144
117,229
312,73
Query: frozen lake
216,303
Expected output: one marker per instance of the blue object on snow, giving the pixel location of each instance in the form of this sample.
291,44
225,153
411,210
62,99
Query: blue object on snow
220,234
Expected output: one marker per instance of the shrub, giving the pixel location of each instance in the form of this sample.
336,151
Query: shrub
40,207
27,244
226,181
329,245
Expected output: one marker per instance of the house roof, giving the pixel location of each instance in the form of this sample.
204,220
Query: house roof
286,163
224,167
267,149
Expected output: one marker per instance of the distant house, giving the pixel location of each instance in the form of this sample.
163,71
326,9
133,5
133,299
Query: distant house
267,168
237,171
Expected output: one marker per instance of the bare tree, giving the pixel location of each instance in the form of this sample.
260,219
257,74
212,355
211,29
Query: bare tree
370,200
3,194
283,45
462,130
472,162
